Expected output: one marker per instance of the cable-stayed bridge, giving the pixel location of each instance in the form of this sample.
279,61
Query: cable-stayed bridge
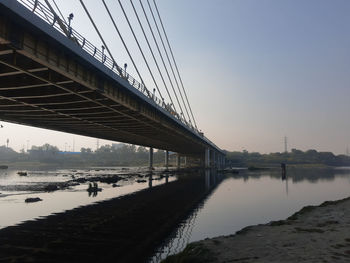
52,77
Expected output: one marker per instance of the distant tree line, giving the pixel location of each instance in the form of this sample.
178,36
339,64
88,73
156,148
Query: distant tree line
295,156
122,155
131,155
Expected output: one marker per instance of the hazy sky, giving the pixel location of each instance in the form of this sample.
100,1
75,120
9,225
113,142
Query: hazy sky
254,70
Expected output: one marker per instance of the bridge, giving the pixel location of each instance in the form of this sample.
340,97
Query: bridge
52,77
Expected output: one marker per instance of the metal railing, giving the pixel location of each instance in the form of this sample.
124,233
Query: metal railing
52,19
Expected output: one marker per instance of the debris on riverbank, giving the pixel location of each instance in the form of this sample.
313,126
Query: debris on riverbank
33,199
314,234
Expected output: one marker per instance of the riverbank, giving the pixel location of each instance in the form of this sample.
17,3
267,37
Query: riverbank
314,234
124,229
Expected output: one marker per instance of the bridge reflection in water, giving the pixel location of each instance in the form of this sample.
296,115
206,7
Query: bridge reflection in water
181,236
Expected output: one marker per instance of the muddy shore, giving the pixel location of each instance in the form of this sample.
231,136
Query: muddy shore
124,229
314,234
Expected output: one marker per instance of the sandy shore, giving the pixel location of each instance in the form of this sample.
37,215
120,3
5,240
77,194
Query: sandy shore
314,234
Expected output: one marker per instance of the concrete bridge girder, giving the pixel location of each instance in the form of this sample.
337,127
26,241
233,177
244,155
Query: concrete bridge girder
76,75
61,87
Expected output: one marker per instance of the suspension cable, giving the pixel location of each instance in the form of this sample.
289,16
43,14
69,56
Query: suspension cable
59,11
177,84
138,44
174,62
166,53
126,48
99,34
150,48
161,56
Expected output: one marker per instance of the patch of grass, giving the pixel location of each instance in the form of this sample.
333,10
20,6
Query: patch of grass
193,253
304,210
243,259
243,230
216,241
279,223
337,246
327,223
334,202
309,230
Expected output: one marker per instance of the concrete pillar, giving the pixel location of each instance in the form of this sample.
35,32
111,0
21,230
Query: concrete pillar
166,160
151,158
150,180
214,159
185,161
178,161
207,179
207,158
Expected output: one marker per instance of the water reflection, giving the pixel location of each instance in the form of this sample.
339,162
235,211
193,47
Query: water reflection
181,236
254,197
312,175
93,189
70,189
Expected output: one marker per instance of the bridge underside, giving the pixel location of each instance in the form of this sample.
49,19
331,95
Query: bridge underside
44,86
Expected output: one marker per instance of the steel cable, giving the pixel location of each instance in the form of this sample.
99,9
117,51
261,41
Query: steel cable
166,53
150,48
126,48
160,54
99,34
138,44
160,19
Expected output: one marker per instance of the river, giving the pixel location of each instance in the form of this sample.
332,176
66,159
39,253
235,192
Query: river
234,200
72,193
251,198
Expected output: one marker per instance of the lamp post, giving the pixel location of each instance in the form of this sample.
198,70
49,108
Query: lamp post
70,18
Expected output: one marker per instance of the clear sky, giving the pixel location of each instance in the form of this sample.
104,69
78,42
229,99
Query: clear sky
254,70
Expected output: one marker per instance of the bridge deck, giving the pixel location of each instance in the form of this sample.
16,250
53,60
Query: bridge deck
48,81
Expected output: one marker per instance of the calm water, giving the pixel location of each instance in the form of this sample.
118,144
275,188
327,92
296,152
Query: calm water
14,189
255,198
235,201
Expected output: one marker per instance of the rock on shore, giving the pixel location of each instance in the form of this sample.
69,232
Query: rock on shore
314,234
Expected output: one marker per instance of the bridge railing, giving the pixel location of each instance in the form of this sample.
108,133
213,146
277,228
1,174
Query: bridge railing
51,18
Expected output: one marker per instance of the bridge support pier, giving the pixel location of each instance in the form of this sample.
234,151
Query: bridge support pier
166,160
150,158
178,161
207,158
214,159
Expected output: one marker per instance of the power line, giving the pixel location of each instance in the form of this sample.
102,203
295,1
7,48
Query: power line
138,44
174,62
166,53
150,48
